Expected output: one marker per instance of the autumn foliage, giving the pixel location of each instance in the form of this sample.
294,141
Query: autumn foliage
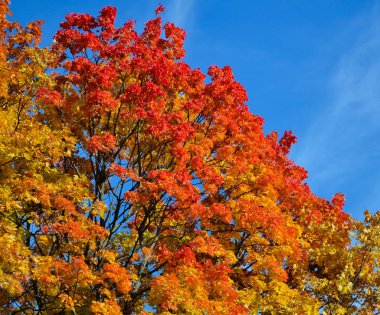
131,183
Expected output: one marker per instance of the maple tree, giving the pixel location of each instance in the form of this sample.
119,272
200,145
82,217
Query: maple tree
130,185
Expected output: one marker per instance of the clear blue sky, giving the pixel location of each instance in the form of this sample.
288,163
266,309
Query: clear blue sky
309,66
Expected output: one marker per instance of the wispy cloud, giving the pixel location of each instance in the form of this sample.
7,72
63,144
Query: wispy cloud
342,146
181,12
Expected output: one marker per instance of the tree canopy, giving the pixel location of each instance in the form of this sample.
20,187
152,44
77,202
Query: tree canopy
131,183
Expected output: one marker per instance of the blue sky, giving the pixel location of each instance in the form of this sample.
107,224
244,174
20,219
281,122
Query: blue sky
308,66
